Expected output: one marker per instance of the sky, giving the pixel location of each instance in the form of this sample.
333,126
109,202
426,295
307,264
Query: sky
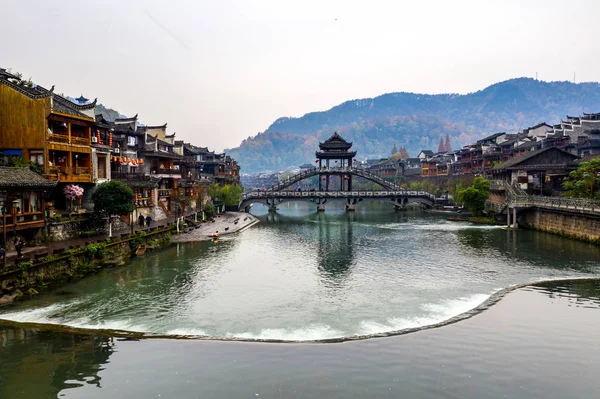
220,71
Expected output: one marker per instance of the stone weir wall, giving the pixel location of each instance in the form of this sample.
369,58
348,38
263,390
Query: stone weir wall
27,278
569,224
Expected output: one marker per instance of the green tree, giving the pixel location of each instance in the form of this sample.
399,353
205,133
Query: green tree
475,196
229,194
585,181
113,198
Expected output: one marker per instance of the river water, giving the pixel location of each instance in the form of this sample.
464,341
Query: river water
299,276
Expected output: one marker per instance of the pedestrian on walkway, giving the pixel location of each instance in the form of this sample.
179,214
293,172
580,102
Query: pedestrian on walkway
141,221
148,221
19,244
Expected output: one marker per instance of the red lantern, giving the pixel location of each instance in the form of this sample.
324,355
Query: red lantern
317,161
141,161
354,159
336,161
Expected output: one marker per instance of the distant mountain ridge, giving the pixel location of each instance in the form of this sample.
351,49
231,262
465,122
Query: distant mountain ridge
416,121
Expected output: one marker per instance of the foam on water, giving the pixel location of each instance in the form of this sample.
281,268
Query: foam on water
433,313
187,332
310,333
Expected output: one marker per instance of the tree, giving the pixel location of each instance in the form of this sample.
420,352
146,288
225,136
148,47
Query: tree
475,196
229,194
73,192
113,198
585,181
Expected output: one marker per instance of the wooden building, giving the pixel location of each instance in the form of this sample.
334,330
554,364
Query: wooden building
537,172
38,125
22,201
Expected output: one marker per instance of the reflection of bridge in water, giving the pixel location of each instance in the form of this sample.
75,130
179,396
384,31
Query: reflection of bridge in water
334,151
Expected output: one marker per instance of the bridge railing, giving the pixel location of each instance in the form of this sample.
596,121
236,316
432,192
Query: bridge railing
336,194
346,169
571,204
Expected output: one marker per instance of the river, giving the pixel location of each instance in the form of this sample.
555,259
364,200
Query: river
305,276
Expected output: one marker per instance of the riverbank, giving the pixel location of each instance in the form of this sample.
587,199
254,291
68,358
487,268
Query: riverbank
227,223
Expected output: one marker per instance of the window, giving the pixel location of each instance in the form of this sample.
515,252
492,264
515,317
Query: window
37,157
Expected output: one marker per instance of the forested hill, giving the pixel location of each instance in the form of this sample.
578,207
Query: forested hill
416,121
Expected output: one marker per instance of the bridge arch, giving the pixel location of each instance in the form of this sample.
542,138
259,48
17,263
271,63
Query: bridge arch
341,171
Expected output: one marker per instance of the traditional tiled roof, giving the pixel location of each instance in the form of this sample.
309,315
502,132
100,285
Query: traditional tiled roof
23,178
335,142
101,122
491,137
64,106
527,144
157,127
34,91
142,182
539,125
7,75
516,161
126,120
197,150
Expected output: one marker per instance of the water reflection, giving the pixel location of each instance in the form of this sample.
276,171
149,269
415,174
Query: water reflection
39,364
531,247
584,293
336,252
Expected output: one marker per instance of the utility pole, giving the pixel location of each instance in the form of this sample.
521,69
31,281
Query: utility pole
4,228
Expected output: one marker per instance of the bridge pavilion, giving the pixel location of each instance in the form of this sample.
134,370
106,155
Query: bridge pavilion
335,153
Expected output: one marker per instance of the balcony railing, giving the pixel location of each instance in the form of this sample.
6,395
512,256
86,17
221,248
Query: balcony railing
127,175
23,220
82,170
58,138
163,171
80,140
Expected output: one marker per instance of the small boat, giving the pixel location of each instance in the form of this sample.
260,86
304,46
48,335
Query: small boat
141,249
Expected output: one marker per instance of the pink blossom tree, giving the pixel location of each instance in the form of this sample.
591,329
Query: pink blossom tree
73,192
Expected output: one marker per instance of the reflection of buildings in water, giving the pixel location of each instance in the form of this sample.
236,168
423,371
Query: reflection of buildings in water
581,293
336,251
43,363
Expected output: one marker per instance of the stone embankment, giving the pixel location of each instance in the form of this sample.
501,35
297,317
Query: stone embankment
228,223
28,277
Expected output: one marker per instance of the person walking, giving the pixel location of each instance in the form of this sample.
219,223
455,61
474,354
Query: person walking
148,221
19,244
141,221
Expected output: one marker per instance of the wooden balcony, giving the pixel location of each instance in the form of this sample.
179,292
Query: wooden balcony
24,221
58,138
81,141
163,171
82,170
127,175
80,174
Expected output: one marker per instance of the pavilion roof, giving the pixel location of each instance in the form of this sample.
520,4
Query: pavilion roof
335,143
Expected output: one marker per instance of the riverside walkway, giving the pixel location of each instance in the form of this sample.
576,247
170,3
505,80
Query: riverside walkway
29,252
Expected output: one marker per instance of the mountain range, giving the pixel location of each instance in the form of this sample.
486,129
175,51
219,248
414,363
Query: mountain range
416,121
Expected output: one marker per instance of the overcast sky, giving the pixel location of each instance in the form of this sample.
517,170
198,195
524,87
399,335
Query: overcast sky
220,71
